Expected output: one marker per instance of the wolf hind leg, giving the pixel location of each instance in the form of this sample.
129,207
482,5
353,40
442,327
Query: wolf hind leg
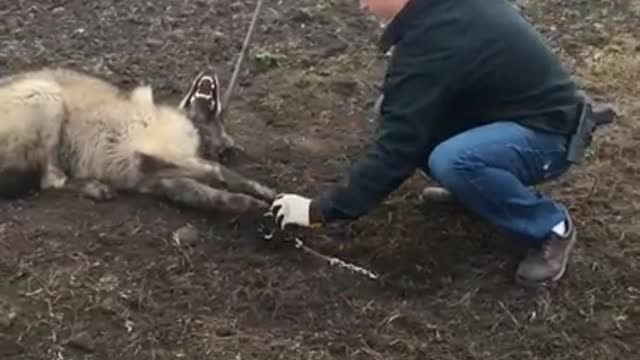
44,103
193,194
92,189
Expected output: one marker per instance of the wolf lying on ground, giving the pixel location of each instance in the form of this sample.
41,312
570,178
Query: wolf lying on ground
61,128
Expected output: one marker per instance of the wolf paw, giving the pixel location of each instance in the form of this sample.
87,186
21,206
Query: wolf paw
97,191
53,179
265,193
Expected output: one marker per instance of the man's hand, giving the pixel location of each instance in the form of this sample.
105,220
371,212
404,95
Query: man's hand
294,209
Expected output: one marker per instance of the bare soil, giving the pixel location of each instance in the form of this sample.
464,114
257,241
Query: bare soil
85,280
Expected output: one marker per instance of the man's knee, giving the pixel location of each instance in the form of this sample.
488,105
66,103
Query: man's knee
445,163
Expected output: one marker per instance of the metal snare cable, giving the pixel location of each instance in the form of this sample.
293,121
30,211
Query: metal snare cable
236,71
268,233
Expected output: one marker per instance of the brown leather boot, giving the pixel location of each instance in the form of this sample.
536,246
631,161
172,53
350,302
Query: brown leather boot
548,263
437,194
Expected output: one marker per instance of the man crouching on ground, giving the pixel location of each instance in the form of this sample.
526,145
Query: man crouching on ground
474,99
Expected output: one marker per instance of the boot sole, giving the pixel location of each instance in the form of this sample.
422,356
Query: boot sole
438,197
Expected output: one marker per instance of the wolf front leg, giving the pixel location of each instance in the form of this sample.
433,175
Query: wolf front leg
205,171
236,182
193,194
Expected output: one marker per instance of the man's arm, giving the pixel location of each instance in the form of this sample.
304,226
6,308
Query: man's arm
417,92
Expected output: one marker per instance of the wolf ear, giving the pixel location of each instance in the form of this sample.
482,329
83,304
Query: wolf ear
142,95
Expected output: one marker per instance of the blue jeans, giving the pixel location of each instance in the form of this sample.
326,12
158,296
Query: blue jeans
489,169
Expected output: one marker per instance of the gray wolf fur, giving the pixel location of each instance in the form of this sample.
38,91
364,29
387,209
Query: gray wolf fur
65,129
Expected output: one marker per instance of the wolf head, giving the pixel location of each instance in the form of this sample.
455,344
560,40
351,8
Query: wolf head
202,105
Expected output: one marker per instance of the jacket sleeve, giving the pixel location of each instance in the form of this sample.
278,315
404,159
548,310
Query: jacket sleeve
417,92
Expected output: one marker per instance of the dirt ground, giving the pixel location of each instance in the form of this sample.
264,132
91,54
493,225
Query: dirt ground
85,280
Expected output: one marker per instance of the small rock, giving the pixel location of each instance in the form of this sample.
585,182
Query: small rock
109,306
6,320
82,341
7,315
108,283
224,331
186,235
302,16
154,42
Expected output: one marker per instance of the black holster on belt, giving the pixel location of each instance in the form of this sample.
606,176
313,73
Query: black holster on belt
589,117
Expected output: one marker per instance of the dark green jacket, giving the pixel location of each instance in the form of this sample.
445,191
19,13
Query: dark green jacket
455,64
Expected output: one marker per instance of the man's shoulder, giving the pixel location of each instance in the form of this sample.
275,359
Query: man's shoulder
444,27
440,23
430,46
424,24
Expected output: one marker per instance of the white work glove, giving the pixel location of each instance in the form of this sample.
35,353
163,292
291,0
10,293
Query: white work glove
291,209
